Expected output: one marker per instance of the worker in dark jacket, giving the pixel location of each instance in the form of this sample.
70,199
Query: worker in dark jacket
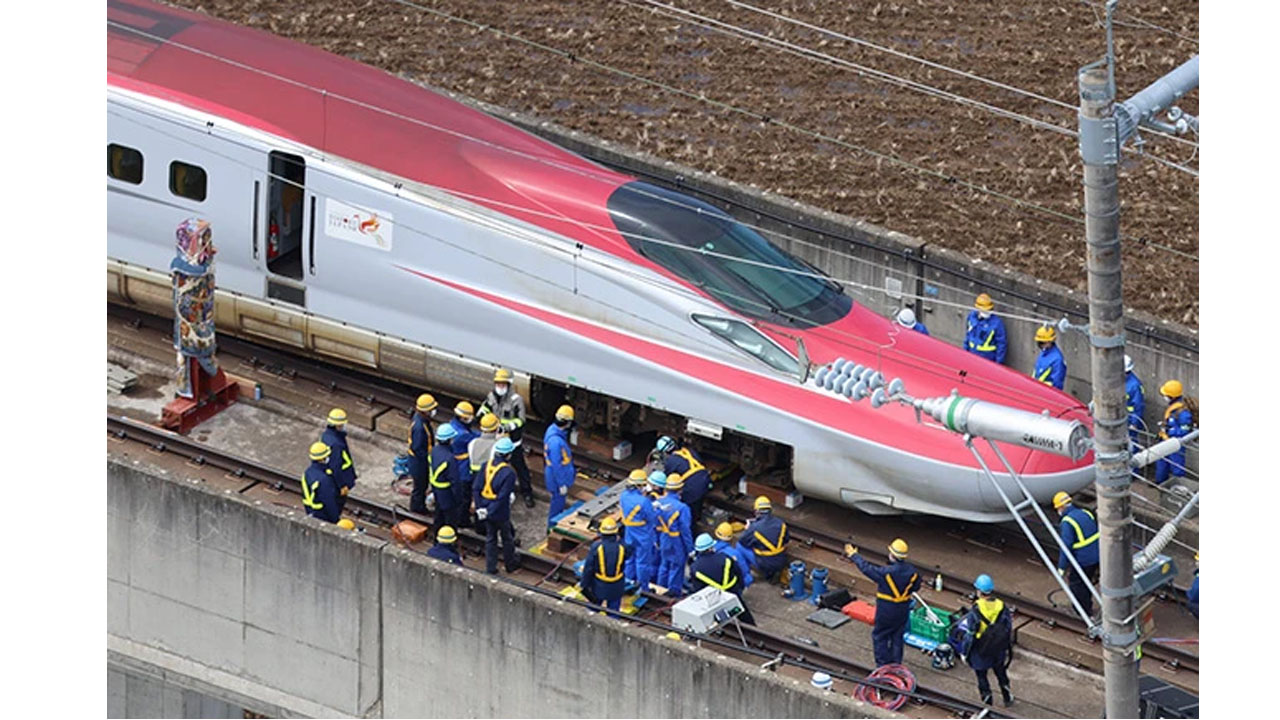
894,584
340,462
463,417
685,462
766,536
1079,532
508,406
442,478
992,629
1193,592
493,492
719,570
420,437
319,489
984,335
603,578
446,547
1051,368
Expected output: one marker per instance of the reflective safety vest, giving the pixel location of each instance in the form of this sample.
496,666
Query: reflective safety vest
309,492
1081,540
630,521
490,471
603,573
898,596
694,465
435,477
986,345
769,549
989,609
668,525
724,584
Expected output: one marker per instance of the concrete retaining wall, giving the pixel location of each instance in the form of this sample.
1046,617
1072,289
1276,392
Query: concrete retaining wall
216,602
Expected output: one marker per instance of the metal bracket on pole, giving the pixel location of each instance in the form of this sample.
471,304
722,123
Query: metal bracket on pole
1107,341
1099,141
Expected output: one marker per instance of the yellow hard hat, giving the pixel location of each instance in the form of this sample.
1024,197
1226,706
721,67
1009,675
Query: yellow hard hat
446,535
898,548
637,477
1172,388
608,526
763,503
1046,334
502,375
564,412
674,481
426,403
489,422
1061,500
724,531
346,524
464,410
983,302
319,451
1197,556
337,416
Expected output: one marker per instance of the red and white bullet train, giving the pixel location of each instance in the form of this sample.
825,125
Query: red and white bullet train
363,217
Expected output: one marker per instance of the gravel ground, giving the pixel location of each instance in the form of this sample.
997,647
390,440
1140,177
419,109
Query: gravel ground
1036,46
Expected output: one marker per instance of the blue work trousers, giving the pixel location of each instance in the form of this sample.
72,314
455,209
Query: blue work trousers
1175,465
771,565
671,564
886,635
641,564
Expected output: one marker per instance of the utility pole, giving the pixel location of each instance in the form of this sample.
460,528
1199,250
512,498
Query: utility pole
1100,149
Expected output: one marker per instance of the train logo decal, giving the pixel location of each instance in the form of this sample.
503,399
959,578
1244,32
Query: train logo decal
357,225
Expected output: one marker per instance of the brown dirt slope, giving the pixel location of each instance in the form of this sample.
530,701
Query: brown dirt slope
1036,46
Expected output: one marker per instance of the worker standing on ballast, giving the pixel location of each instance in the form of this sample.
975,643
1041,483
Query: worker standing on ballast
603,577
726,544
319,489
442,477
991,649
1079,532
719,570
1179,419
507,404
421,435
907,319
766,536
678,459
344,468
640,531
494,489
675,535
1051,368
446,547
1135,401
895,583
985,334
560,472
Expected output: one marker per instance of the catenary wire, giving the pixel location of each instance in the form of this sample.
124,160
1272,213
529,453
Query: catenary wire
1136,21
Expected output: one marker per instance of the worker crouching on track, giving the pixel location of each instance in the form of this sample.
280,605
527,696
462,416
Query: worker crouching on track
895,583
766,537
726,544
685,462
508,408
603,577
1051,368
493,493
560,472
984,334
442,476
988,632
719,570
340,462
675,535
319,489
446,547
1079,532
640,531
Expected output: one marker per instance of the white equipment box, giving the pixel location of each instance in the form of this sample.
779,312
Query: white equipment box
705,610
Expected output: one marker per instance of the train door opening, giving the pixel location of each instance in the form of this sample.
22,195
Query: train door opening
286,223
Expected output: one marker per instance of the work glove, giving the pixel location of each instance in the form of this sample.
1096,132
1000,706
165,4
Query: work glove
512,499
564,489
482,513
850,550
344,490
1062,572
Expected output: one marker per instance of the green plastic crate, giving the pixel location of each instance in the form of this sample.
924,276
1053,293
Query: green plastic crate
924,626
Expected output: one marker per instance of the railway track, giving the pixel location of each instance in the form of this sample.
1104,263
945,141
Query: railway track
378,391
761,646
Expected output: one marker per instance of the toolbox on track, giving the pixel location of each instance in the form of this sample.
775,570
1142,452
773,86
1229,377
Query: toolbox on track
924,626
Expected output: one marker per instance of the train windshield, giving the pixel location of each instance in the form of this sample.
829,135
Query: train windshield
732,262
751,341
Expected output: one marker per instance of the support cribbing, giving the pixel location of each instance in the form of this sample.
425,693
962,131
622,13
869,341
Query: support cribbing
1099,147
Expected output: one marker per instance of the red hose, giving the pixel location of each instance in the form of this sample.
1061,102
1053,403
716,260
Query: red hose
888,676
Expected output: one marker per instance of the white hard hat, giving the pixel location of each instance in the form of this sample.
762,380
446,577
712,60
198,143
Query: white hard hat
1128,364
907,317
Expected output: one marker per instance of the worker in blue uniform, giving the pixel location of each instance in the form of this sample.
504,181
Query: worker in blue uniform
675,535
603,577
319,489
907,319
685,462
1178,421
420,441
1051,368
719,570
452,508
464,414
894,584
493,492
560,472
1193,592
1079,532
344,468
992,627
985,334
1135,401
639,531
726,543
446,547
766,536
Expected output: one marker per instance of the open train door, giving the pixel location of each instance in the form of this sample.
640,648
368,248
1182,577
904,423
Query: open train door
286,227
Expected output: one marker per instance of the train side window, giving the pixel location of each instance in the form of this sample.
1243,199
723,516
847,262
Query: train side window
124,163
188,181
